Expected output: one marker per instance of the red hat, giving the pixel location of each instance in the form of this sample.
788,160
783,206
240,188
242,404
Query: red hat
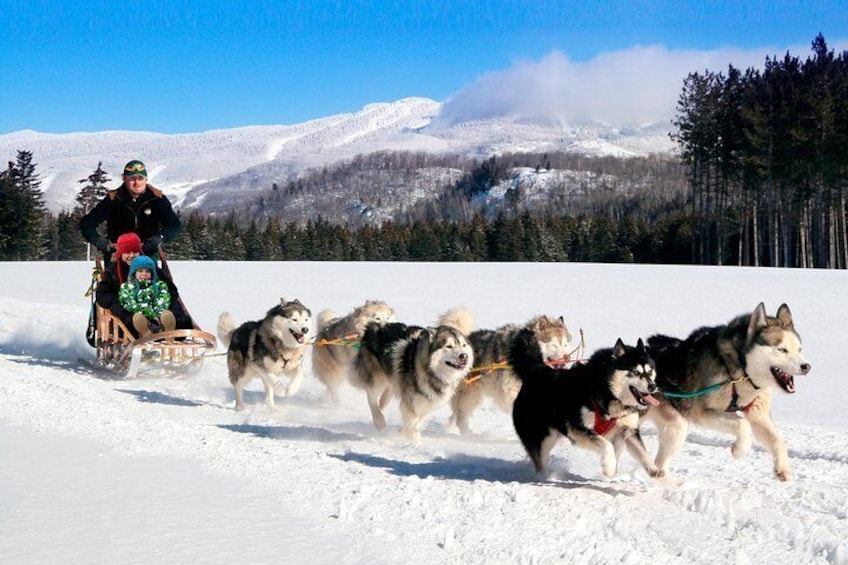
127,243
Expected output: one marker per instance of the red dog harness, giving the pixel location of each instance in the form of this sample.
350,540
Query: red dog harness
602,425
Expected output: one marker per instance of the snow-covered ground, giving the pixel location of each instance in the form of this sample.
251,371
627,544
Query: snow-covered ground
165,471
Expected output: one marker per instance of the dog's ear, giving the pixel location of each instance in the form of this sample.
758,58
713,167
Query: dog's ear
785,316
618,350
545,322
422,355
282,301
758,321
640,346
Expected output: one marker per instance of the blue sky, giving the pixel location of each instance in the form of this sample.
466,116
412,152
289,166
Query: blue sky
182,66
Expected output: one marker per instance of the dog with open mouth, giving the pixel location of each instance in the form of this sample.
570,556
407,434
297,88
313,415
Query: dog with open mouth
267,348
595,404
422,367
721,378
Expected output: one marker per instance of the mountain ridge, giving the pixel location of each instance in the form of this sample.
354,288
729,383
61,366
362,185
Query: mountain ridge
248,159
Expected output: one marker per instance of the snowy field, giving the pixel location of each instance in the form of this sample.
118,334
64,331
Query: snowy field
165,471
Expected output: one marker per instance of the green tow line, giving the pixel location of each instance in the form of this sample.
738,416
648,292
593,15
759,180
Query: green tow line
697,393
707,390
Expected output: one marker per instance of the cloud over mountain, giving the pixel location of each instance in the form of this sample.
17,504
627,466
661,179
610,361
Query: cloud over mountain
632,87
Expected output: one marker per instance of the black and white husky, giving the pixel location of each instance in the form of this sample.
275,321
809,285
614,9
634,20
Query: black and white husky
721,378
267,348
596,404
421,366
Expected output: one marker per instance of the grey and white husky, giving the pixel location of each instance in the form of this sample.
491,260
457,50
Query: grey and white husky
595,404
493,377
267,348
331,362
421,366
721,378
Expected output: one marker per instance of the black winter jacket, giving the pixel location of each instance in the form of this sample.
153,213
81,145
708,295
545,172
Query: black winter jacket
148,216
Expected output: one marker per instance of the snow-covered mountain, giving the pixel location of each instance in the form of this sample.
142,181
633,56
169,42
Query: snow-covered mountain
249,159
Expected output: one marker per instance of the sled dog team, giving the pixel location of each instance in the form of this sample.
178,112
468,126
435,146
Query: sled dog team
720,377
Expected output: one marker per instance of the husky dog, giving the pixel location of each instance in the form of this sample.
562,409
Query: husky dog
594,404
499,383
721,378
422,366
332,361
266,348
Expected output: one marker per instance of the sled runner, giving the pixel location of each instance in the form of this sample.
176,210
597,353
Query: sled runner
167,353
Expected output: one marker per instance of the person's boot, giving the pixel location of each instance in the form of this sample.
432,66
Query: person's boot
140,323
169,322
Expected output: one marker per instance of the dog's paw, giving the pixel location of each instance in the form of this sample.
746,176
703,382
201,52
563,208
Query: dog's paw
655,473
740,448
379,422
273,408
608,463
783,475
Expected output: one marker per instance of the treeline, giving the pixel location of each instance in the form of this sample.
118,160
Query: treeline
28,232
521,237
767,158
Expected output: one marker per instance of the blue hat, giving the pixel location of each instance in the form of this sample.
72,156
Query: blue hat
143,262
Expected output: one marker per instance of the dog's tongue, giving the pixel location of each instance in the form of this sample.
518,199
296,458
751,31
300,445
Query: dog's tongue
651,400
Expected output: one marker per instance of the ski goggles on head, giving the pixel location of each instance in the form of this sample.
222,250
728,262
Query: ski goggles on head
135,169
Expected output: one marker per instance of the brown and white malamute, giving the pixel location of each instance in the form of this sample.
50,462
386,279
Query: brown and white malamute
493,377
333,354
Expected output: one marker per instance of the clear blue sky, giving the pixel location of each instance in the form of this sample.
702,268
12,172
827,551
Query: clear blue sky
188,66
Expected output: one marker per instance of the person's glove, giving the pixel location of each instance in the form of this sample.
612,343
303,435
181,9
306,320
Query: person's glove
105,247
151,246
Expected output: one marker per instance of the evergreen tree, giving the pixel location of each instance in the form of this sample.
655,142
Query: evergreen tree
24,216
93,189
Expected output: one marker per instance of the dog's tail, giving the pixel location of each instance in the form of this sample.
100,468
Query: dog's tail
662,343
226,326
324,318
525,356
459,318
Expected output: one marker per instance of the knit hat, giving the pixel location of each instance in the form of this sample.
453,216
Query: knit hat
127,243
135,168
143,262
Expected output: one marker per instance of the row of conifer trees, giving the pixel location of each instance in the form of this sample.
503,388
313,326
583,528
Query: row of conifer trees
767,157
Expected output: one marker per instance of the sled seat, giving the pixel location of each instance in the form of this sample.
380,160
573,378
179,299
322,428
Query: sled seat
119,350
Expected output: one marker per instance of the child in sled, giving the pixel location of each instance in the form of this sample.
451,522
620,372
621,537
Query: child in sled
147,297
